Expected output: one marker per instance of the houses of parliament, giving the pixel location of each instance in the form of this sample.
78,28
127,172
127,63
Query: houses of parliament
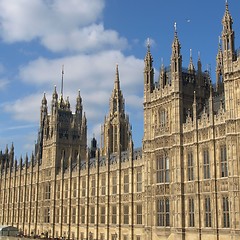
182,184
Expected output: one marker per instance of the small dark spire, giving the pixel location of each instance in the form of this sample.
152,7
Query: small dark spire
84,119
44,100
55,95
68,103
21,162
93,147
12,148
191,68
32,159
6,150
79,103
199,63
26,160
79,99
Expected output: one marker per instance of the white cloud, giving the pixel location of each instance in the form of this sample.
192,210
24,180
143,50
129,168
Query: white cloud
59,25
87,39
27,109
93,74
72,27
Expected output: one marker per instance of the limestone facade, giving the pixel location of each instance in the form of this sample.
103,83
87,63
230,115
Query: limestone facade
184,183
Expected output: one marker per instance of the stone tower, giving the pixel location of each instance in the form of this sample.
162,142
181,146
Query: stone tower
63,134
116,130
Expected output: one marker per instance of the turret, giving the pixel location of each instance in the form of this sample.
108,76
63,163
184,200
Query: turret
199,72
162,82
67,104
116,100
176,63
191,68
199,64
148,74
228,38
79,106
116,126
219,69
84,128
44,108
54,101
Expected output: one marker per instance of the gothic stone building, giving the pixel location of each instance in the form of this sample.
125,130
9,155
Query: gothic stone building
184,183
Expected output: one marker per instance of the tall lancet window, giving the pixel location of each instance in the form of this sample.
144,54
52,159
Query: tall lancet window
162,169
206,164
190,166
162,118
224,164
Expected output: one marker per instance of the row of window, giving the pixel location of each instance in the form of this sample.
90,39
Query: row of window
46,191
113,237
162,166
92,214
163,213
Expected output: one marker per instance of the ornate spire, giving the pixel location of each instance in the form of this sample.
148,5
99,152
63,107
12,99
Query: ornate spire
79,103
148,58
228,35
199,63
176,45
227,18
191,68
117,101
55,95
148,73
44,100
219,54
84,119
117,83
54,100
67,103
219,68
176,56
115,129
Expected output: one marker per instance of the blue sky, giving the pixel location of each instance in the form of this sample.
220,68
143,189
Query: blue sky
89,37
